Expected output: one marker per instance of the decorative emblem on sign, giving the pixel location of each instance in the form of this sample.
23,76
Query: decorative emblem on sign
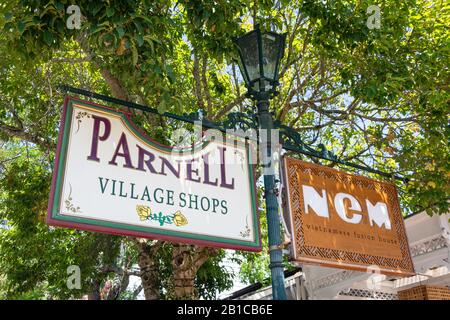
143,212
179,219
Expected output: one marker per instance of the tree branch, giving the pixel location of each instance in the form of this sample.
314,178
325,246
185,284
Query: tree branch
205,84
114,84
14,132
228,107
197,81
117,88
388,119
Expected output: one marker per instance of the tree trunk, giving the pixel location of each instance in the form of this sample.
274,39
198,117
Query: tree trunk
186,260
94,293
119,285
149,270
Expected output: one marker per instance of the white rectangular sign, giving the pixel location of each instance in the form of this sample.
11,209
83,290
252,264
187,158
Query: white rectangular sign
109,177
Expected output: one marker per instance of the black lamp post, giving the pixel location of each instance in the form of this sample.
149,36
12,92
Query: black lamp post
260,54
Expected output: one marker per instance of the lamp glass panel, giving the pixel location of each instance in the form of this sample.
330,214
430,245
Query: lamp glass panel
271,48
248,45
243,72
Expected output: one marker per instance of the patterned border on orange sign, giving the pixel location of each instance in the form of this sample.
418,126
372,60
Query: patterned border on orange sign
339,258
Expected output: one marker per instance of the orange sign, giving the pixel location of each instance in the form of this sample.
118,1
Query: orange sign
345,221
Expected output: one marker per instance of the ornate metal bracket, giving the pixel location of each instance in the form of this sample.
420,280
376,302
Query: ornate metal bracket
290,139
239,123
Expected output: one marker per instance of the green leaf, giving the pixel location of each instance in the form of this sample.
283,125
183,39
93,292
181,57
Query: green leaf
59,6
48,37
120,31
110,11
97,6
60,26
157,69
170,73
138,27
20,27
162,106
149,40
8,16
140,40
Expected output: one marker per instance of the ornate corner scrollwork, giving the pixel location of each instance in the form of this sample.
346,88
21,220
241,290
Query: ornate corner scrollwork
246,232
68,202
80,115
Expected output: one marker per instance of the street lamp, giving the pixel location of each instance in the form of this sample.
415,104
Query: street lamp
259,61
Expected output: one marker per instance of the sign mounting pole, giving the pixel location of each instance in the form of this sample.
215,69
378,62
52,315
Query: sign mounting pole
273,218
